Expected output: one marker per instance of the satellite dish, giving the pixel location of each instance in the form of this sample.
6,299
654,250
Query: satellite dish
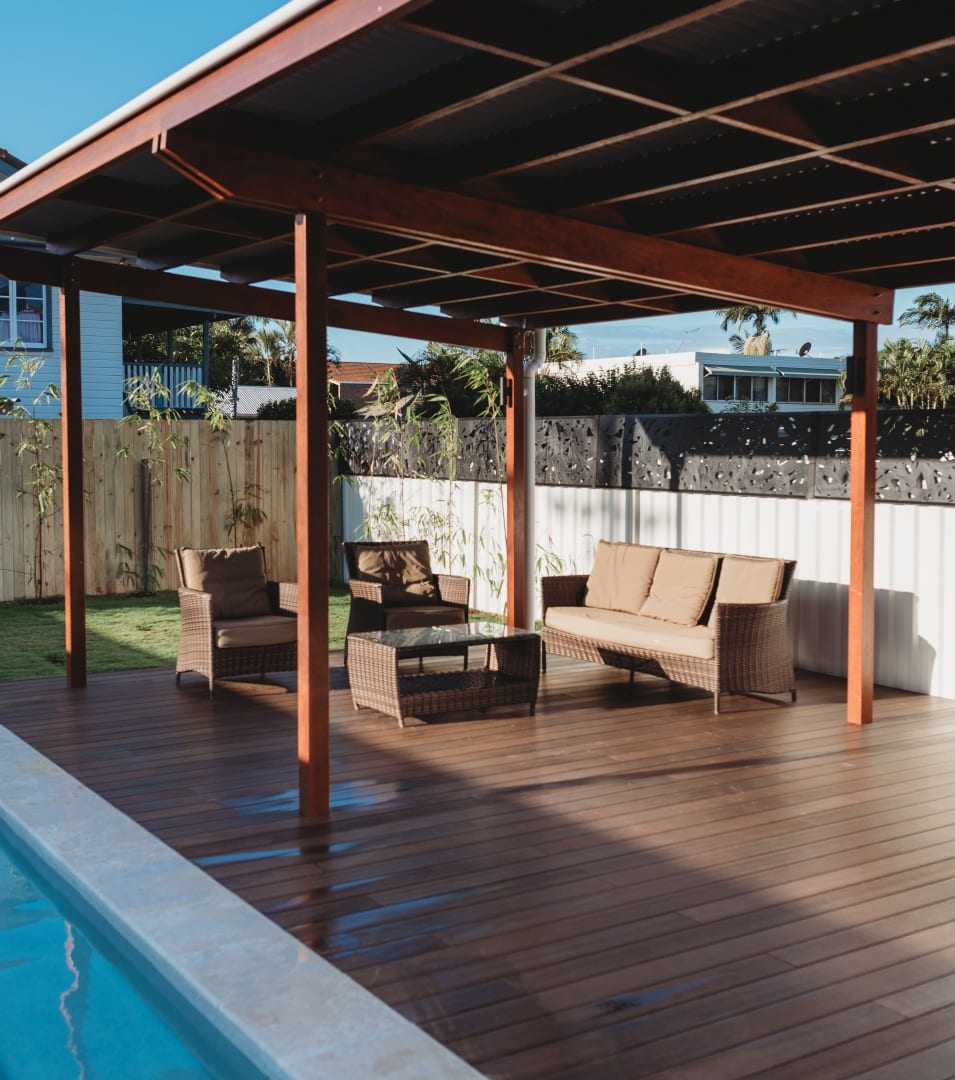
640,352
804,348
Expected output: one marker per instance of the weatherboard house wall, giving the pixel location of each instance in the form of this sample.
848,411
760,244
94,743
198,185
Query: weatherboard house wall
101,344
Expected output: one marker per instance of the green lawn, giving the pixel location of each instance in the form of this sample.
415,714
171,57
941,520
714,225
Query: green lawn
122,632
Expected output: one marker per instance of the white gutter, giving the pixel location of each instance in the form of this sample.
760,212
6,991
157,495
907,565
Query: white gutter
206,63
531,368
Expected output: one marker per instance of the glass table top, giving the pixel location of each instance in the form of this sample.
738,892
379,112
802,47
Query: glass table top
477,632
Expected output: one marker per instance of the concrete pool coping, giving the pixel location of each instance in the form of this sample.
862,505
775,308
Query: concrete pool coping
291,1013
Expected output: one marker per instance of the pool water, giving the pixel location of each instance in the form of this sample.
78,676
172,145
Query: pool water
70,1007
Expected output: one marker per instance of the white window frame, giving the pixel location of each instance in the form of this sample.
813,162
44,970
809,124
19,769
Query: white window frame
831,382
20,332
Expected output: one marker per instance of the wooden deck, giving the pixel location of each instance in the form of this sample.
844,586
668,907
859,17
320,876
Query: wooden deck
623,886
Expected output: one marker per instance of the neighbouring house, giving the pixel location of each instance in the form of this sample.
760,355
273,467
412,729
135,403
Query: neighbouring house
731,380
352,380
349,380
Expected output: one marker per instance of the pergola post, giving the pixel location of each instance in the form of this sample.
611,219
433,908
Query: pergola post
861,649
311,511
71,435
515,421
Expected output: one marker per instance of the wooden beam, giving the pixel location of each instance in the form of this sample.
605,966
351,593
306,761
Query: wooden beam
445,217
861,650
515,420
281,53
71,437
311,514
203,293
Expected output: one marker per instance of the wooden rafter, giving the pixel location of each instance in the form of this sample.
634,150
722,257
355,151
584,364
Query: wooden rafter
446,217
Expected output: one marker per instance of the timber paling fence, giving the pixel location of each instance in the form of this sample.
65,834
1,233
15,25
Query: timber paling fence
136,516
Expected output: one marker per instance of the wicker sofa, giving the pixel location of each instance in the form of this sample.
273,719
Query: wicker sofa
712,620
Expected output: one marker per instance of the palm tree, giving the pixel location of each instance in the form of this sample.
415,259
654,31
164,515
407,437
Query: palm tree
932,312
912,376
273,347
563,348
757,341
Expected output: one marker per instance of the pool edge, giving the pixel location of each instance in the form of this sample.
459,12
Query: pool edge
290,1012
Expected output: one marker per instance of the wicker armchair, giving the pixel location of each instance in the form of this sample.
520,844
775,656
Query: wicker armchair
393,588
234,620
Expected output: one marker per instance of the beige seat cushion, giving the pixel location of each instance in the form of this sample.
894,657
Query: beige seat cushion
402,570
681,587
259,630
235,577
621,575
405,617
633,631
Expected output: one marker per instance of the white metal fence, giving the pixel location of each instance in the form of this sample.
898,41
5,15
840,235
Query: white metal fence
915,589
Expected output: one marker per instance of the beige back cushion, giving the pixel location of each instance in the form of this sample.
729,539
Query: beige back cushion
747,580
621,575
402,570
234,576
681,587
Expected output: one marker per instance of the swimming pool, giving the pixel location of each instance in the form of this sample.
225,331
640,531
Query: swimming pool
73,1007
272,1004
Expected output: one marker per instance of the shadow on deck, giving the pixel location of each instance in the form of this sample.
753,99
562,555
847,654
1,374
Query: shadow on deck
623,885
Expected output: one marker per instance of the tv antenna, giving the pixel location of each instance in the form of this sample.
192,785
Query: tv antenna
686,334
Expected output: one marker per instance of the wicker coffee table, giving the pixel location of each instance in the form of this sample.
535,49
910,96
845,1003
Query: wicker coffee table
509,676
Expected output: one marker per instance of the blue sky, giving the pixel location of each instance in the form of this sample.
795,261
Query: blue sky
92,57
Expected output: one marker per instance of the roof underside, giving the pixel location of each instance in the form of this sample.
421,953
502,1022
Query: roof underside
811,134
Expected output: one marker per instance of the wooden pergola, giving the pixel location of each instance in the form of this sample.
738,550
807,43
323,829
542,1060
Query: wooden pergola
531,163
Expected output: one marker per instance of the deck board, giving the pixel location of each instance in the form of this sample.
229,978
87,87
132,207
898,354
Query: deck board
623,885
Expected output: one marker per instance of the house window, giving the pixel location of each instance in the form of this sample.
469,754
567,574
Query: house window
811,391
735,388
23,314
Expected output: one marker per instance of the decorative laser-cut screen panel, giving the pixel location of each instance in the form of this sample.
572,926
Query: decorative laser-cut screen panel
802,455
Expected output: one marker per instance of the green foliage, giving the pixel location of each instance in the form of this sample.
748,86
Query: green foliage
633,388
144,579
436,375
467,380
273,349
36,447
755,340
563,348
402,417
153,419
245,511
931,312
229,343
280,409
917,376
284,409
750,407
258,352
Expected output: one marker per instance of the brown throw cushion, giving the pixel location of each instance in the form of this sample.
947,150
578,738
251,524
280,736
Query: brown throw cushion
402,570
621,575
234,576
681,587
